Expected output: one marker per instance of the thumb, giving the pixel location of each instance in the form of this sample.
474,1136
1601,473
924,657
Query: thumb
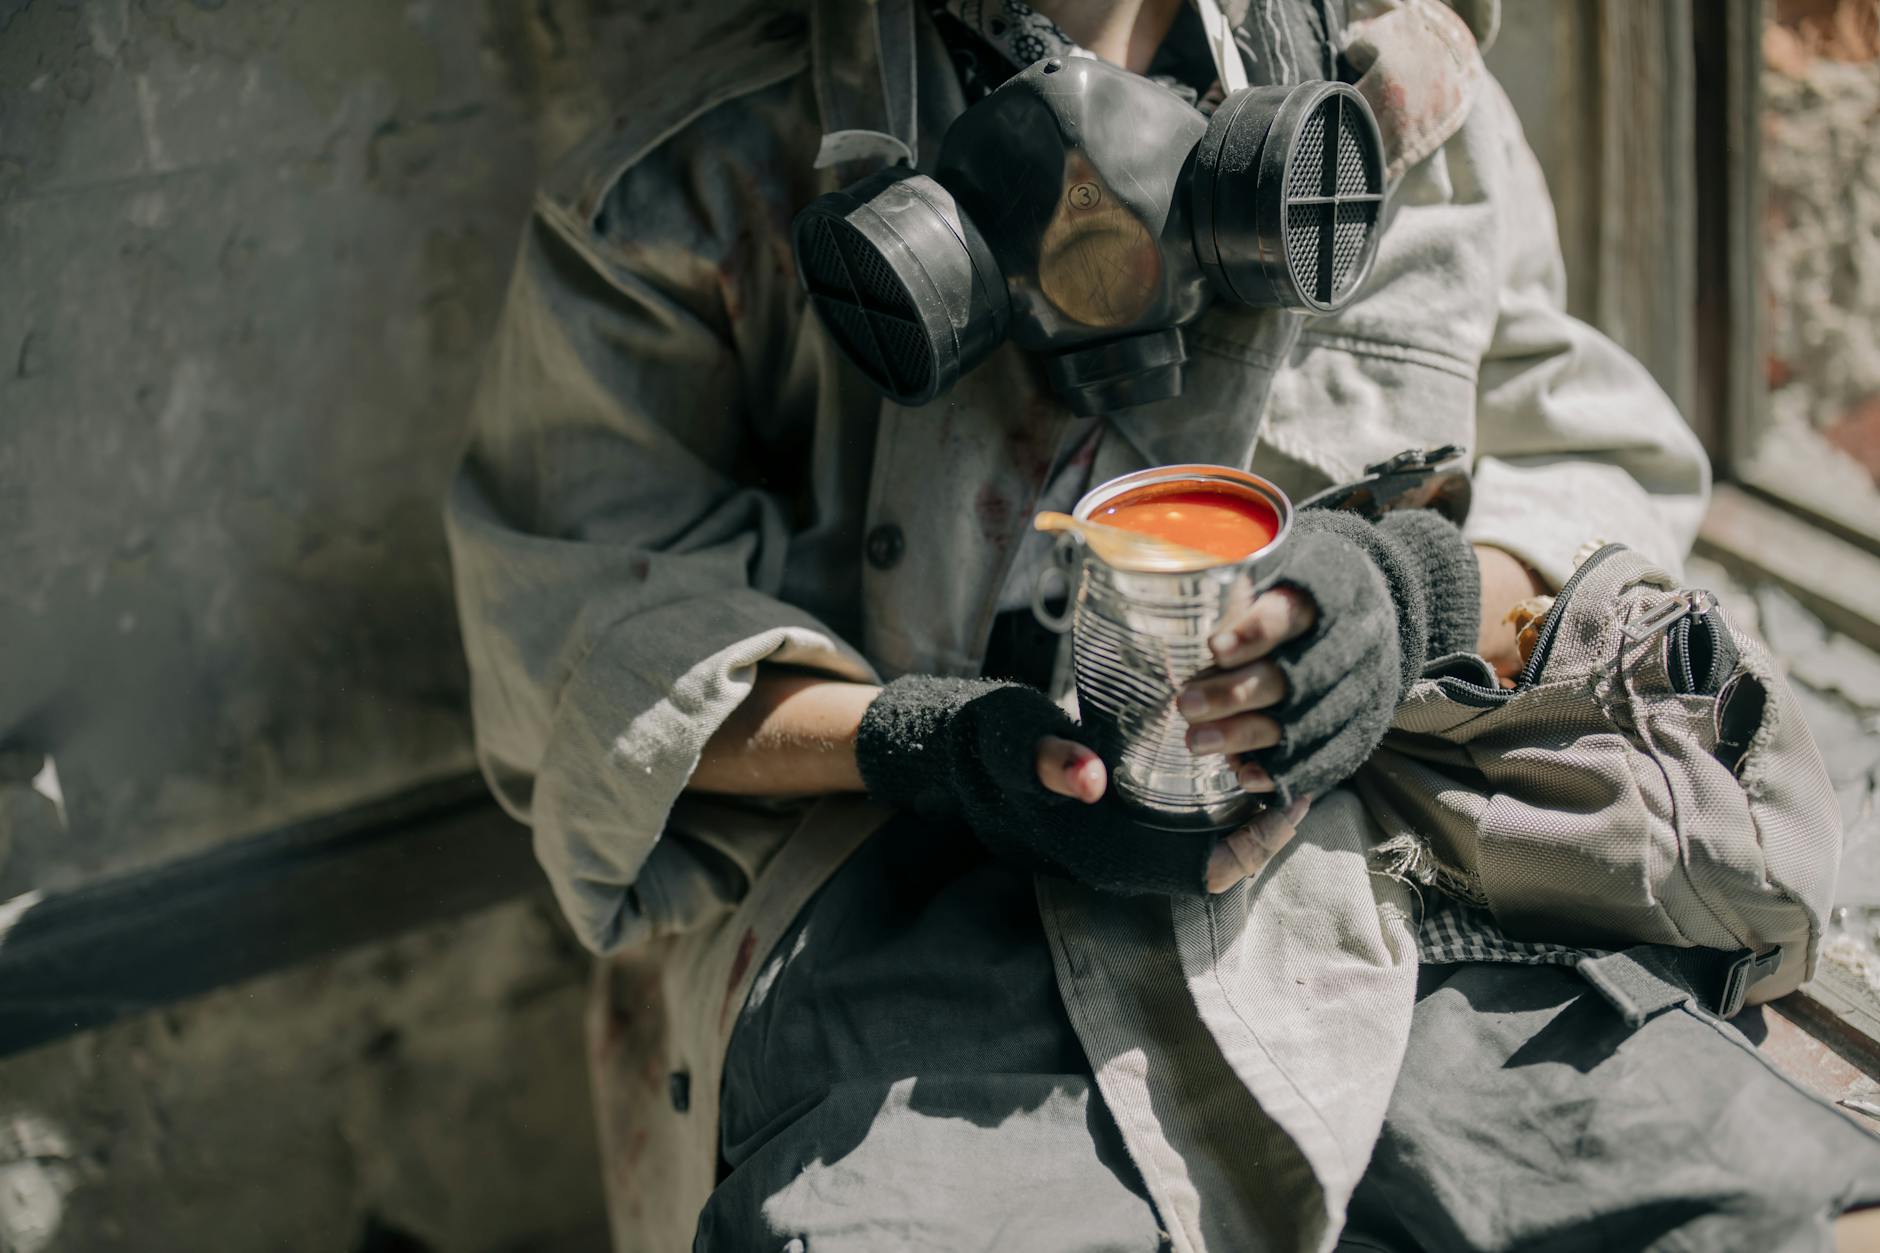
1068,768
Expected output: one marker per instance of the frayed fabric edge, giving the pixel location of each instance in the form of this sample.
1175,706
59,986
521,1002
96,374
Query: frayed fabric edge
1411,860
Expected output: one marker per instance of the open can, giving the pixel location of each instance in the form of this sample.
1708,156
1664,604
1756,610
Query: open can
1137,636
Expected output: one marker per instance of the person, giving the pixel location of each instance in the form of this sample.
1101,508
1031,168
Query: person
882,966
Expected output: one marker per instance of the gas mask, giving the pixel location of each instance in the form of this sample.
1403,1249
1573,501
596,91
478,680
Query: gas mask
1087,214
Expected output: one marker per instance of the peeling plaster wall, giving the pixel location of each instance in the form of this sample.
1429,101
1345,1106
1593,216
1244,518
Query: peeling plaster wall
248,256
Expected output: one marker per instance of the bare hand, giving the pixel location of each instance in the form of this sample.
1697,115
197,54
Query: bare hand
1220,704
1070,769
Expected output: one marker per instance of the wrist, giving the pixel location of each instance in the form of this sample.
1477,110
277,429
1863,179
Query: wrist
1449,570
1406,594
1506,582
792,735
901,748
934,745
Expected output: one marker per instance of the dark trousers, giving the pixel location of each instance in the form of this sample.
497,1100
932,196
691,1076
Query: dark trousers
1529,1116
904,1077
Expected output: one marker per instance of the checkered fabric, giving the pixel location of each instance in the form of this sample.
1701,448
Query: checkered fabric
1450,931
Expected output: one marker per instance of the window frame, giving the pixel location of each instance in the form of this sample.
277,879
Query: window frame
1730,399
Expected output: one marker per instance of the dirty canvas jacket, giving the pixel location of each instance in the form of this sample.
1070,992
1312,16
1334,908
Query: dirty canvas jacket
673,477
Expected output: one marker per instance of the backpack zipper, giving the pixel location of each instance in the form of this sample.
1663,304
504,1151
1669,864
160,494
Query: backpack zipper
1702,654
1682,605
1551,627
1465,692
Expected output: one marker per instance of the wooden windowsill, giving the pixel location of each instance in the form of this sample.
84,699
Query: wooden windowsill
1836,580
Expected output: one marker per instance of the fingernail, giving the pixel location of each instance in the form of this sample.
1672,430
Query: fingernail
1193,703
1221,641
1206,740
1297,810
1254,779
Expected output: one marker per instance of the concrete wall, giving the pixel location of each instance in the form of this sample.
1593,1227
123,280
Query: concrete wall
425,1094
248,255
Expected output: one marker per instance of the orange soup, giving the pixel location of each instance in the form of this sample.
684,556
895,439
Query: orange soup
1219,520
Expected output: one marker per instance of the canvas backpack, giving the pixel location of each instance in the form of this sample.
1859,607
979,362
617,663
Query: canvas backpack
1648,780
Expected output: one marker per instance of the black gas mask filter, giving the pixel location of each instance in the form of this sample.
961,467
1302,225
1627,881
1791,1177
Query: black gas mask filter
1087,214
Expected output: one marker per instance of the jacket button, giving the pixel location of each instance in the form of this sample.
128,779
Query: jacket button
679,1087
885,546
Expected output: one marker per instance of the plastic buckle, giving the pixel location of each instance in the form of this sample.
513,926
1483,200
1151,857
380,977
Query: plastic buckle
1417,478
1416,459
1744,973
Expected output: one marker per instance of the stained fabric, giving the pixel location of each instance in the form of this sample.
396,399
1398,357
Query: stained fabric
673,478
1288,41
903,1075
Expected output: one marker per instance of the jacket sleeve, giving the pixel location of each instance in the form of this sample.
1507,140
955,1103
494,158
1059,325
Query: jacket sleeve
1576,444
617,582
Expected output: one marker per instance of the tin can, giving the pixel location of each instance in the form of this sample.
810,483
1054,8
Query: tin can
1138,636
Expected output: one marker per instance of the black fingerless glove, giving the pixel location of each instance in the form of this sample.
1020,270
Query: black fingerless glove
1391,596
967,749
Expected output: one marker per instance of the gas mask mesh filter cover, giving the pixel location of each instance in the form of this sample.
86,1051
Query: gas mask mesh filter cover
867,311
1288,196
902,281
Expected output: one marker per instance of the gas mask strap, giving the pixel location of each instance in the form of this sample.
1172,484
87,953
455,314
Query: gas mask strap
1227,62
894,26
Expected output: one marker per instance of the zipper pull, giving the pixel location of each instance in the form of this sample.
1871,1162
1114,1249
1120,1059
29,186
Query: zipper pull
1696,601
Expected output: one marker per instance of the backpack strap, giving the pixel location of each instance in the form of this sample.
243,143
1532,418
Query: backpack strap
1647,979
